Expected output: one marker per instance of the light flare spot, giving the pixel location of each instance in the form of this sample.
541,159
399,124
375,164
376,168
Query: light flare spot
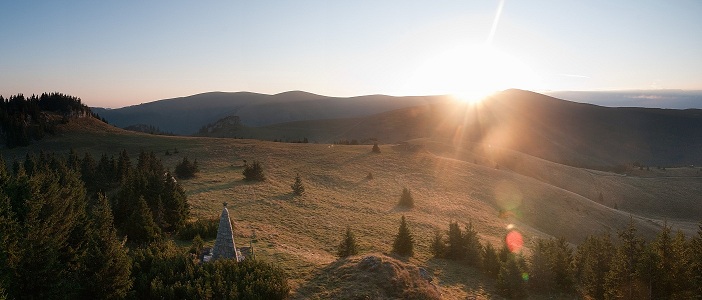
514,241
508,197
525,276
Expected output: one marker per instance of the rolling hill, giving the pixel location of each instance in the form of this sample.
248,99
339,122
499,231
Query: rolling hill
553,129
449,183
186,115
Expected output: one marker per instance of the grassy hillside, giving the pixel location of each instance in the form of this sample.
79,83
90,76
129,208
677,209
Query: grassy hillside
449,183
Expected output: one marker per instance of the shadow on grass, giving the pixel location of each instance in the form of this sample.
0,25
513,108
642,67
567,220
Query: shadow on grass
400,208
285,197
454,273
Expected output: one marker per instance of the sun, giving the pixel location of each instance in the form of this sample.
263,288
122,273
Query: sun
470,73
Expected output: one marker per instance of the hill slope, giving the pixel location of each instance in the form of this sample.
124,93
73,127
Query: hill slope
537,197
557,130
186,115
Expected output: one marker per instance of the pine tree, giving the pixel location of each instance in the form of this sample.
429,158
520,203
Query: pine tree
696,265
456,242
186,169
404,243
560,261
472,246
175,204
297,187
254,172
623,278
510,282
540,274
592,263
347,246
406,199
438,247
106,263
140,228
47,218
491,264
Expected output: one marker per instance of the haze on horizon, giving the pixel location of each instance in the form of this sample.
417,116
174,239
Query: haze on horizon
114,54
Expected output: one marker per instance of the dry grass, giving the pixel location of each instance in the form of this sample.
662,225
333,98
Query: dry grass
301,233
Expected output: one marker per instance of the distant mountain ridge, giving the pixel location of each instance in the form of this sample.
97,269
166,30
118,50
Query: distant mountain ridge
557,130
186,115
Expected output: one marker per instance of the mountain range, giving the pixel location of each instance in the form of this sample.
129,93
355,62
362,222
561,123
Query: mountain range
562,131
186,115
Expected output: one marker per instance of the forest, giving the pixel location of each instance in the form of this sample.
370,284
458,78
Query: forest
23,119
61,237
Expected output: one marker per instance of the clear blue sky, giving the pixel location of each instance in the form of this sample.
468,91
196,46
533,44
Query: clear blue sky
118,53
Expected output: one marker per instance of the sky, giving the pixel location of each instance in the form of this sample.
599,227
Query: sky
119,53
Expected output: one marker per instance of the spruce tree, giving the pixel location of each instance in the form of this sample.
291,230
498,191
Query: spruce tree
510,282
106,263
438,247
624,278
140,227
491,264
347,246
404,243
297,187
472,246
592,262
254,172
696,265
406,199
540,274
456,243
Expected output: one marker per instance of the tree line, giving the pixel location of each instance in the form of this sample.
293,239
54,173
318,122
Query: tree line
23,119
602,267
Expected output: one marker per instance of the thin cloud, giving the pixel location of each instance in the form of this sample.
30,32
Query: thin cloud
649,97
573,75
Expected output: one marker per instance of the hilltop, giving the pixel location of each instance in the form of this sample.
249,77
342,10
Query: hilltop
187,115
557,130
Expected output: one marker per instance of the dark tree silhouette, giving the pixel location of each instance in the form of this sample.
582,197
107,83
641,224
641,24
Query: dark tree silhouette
297,187
406,199
186,169
254,172
404,242
347,246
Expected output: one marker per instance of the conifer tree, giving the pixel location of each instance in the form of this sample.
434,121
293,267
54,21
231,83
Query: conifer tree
406,199
438,247
297,187
624,277
472,246
510,282
592,262
347,246
175,204
491,264
254,172
140,227
696,265
404,242
456,243
106,262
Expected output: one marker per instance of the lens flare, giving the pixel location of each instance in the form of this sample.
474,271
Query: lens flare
514,241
